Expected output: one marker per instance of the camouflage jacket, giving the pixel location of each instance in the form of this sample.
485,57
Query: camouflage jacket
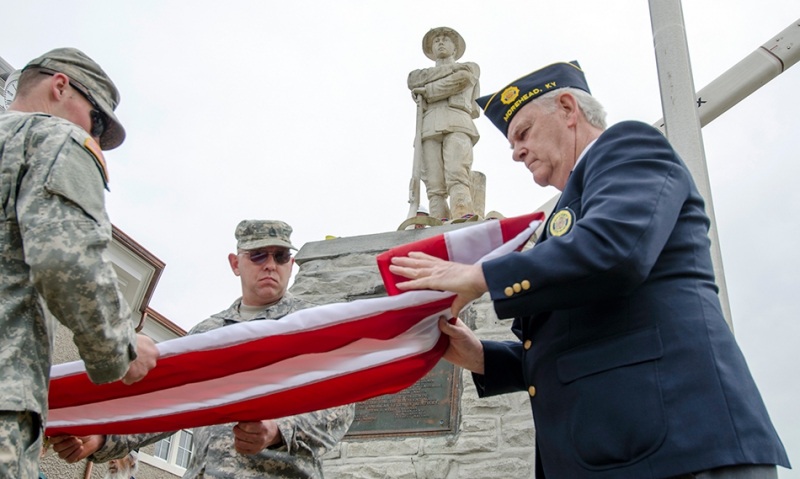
306,437
55,230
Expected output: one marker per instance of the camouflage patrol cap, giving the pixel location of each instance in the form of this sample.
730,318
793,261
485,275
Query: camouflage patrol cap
254,234
84,71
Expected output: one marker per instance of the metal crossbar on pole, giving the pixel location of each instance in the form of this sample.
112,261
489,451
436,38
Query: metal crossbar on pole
755,70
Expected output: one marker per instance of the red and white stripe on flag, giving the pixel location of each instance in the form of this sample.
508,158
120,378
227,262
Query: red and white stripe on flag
312,359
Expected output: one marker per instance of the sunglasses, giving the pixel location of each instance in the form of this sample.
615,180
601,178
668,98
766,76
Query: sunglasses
99,119
260,256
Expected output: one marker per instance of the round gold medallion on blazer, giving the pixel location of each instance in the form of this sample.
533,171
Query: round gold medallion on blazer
561,223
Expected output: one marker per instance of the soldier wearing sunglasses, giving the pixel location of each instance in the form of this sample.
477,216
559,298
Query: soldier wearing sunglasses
290,447
52,180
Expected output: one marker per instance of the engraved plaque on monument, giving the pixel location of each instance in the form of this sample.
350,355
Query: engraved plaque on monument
429,407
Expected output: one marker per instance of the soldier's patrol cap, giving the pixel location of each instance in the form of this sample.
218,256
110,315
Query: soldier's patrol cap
86,72
501,107
254,234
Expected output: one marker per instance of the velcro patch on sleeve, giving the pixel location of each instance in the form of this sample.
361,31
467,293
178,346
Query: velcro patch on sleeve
97,153
74,176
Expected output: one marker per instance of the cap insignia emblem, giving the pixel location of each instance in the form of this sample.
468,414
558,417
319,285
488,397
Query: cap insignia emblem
509,95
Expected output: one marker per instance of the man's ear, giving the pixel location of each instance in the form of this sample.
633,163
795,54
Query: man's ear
233,259
569,106
58,86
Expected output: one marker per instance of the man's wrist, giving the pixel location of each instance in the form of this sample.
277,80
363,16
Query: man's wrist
277,444
277,441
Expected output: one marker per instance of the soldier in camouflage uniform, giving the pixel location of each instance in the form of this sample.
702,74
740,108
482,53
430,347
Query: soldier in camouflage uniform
52,175
289,447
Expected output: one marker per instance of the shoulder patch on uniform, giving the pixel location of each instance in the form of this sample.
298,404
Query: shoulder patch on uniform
561,222
97,153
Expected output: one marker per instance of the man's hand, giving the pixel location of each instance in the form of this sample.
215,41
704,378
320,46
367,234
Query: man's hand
146,357
74,448
429,272
253,437
465,349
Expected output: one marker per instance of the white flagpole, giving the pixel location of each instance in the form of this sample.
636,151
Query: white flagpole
682,123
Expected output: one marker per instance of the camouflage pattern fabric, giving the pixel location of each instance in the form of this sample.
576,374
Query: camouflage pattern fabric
55,230
253,234
306,437
20,444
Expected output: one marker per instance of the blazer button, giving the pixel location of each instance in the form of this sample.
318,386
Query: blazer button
526,285
509,291
517,287
527,344
532,391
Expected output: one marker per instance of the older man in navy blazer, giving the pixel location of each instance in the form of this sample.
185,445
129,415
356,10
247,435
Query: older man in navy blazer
631,369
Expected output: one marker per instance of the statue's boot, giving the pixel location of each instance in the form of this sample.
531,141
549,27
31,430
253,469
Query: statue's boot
460,201
438,205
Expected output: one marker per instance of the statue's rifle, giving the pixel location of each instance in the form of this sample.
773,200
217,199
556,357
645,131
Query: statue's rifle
413,186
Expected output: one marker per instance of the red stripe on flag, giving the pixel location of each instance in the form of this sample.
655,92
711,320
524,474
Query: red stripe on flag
434,246
513,226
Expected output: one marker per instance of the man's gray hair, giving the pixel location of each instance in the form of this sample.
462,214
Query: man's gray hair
592,109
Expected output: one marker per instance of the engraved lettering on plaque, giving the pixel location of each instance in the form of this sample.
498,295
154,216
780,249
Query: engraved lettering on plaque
426,408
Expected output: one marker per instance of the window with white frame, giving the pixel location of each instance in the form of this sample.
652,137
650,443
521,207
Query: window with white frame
173,453
185,448
162,449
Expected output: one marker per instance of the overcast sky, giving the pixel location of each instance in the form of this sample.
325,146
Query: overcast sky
299,111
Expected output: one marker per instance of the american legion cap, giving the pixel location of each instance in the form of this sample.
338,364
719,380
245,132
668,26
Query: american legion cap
254,234
501,107
86,72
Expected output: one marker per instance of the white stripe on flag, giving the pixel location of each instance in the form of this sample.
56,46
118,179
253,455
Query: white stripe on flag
468,245
512,244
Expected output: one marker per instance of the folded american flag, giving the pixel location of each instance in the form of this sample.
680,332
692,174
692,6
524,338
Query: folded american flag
312,359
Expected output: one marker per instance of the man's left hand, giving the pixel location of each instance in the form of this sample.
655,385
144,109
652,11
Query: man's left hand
252,437
429,272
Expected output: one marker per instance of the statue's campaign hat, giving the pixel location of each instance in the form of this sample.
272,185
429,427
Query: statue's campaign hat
254,234
427,42
87,73
501,107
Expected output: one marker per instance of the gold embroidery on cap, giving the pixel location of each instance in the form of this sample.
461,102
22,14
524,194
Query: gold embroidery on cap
509,94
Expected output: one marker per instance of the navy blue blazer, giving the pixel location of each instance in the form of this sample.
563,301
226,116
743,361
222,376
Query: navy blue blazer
632,370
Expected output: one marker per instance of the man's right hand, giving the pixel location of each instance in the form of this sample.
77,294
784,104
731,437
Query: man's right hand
465,349
75,448
146,357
